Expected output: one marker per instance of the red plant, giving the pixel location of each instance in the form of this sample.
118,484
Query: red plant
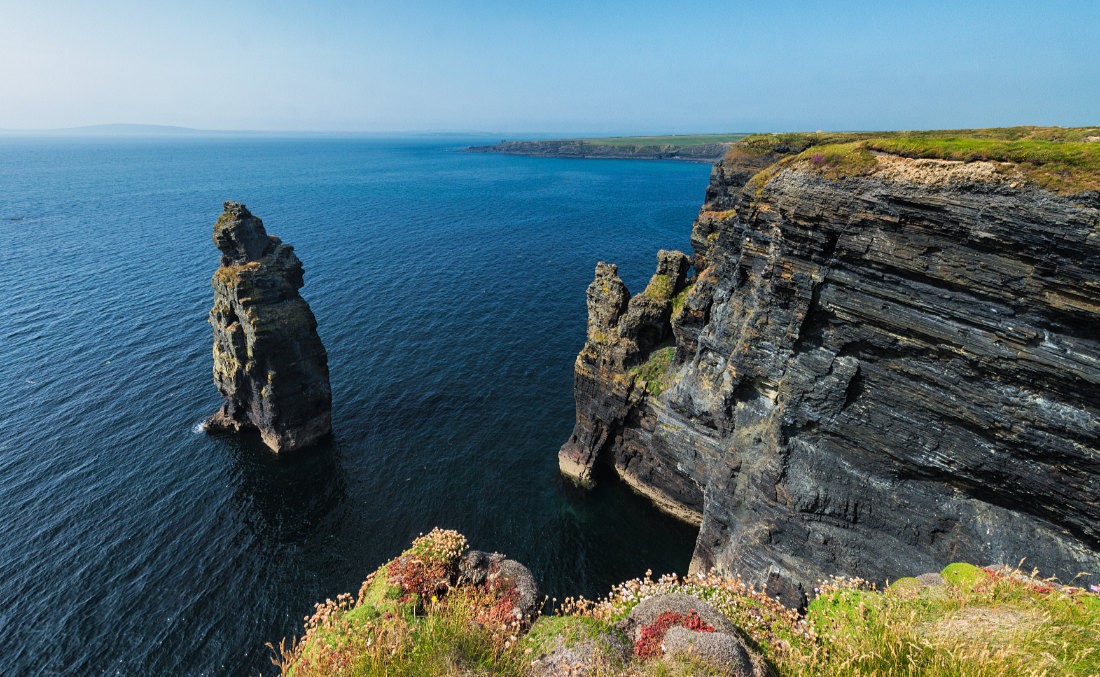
1040,588
498,607
418,576
652,635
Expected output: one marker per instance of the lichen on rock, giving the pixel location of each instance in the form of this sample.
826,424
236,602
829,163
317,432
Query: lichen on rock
269,363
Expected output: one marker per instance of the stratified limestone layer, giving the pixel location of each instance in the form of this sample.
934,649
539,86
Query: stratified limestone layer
269,363
873,373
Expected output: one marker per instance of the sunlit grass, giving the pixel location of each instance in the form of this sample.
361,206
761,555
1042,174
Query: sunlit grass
672,140
967,621
1064,160
655,370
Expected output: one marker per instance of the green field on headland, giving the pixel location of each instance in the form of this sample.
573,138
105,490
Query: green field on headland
673,140
1062,159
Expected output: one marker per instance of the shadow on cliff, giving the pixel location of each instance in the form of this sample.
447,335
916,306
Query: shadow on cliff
285,497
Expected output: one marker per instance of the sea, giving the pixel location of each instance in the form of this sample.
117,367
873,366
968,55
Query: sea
449,290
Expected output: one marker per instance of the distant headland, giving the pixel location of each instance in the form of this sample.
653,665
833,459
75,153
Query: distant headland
114,130
690,148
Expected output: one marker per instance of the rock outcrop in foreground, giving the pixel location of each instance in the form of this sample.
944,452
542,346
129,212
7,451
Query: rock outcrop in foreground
440,608
269,363
883,364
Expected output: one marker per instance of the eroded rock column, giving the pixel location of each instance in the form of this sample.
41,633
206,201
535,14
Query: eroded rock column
623,333
269,363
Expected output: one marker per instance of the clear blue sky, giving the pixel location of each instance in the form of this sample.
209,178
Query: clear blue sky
603,67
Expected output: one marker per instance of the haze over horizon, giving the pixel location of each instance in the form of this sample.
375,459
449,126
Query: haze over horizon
569,67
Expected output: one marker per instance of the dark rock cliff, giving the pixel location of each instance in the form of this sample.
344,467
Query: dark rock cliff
872,374
269,363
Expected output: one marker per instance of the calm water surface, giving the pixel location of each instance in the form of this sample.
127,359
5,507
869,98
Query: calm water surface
449,289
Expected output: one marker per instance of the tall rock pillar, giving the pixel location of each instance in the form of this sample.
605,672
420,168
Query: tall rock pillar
269,363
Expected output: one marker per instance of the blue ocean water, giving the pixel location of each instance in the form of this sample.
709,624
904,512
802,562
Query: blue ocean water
449,290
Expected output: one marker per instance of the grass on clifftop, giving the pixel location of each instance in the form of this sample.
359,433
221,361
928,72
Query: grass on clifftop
968,621
1064,167
973,622
1064,160
673,140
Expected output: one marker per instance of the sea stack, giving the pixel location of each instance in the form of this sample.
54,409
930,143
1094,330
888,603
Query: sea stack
269,363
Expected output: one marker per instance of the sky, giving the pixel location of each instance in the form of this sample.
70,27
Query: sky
633,67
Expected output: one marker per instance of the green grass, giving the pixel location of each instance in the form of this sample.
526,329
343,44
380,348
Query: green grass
1056,158
835,160
674,140
659,288
963,575
444,642
545,634
654,371
979,622
681,298
976,624
800,141
1065,167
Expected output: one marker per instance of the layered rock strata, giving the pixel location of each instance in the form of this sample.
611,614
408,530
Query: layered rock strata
873,373
269,363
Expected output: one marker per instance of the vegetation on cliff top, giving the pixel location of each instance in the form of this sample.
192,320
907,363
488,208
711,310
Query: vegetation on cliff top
966,620
673,140
1064,160
693,147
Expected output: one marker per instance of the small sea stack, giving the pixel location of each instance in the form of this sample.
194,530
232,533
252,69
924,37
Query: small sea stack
269,363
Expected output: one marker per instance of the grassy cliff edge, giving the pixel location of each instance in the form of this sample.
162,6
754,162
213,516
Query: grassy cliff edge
1065,160
1062,159
963,620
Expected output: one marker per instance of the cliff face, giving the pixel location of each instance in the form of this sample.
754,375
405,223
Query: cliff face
269,363
873,373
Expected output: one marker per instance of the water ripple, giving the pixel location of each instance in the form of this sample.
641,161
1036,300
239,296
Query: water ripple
449,290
